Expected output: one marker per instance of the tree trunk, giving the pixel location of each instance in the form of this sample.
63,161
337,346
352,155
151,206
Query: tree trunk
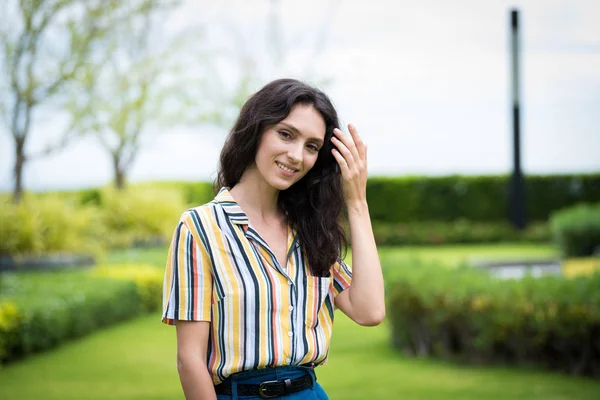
119,173
18,170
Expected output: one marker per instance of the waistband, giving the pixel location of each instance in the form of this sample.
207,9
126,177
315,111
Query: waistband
273,373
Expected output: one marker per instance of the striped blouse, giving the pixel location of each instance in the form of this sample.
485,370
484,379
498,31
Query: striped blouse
262,314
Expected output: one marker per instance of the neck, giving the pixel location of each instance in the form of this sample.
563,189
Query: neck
256,197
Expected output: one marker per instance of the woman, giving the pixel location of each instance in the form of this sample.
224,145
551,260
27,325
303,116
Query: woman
253,277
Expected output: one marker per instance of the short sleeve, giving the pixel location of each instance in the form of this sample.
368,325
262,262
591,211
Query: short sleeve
188,280
342,277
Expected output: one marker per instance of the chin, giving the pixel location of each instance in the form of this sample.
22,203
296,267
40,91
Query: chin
281,185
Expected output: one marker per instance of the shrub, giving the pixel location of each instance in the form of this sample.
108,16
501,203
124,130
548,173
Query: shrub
580,266
474,198
148,281
40,310
465,314
10,320
138,216
49,224
577,230
460,231
198,193
194,193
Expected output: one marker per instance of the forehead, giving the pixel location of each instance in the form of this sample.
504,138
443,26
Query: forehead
307,120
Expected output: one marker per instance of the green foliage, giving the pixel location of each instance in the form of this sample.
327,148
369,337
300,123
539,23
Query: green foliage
49,224
194,193
39,311
466,314
577,230
357,355
148,281
474,198
459,231
198,193
90,220
10,320
547,194
137,216
91,196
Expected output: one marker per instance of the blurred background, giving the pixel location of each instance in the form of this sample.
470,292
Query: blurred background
112,117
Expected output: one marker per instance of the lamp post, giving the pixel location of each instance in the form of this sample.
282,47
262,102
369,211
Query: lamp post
516,202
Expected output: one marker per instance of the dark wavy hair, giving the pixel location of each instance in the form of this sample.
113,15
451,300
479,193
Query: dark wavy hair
313,204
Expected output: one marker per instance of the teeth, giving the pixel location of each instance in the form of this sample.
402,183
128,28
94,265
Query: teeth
285,168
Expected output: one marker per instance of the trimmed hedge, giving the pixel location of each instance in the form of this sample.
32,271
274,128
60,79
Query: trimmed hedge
475,198
39,311
460,231
465,314
577,230
425,198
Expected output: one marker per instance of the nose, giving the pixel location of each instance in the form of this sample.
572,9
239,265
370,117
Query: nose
295,154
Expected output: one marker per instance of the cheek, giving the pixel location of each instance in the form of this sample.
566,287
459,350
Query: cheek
311,160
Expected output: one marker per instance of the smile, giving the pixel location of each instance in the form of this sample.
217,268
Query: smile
286,169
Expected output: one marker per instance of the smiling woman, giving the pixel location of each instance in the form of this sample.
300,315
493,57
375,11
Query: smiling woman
253,277
292,146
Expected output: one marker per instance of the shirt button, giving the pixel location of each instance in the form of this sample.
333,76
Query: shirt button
288,360
290,283
290,334
290,308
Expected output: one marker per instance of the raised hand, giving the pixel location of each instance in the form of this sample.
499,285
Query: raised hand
351,155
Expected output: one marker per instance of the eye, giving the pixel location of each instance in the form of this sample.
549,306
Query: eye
285,134
313,148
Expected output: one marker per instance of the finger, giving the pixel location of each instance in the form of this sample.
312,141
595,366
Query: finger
346,153
348,142
360,145
341,162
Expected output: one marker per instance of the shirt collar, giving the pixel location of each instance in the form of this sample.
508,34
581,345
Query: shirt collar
231,207
238,216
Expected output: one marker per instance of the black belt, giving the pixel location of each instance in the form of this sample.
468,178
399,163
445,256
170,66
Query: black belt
268,389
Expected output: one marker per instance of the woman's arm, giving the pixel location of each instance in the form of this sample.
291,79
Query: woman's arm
192,343
364,300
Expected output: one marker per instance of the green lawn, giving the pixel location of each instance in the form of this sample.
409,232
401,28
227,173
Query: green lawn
153,256
453,255
136,360
448,254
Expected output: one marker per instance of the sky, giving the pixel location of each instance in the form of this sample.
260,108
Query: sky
426,83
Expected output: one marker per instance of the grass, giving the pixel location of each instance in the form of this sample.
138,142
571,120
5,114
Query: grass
453,255
136,360
34,289
154,256
447,254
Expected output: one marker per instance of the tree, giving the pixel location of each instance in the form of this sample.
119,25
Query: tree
45,46
122,90
147,81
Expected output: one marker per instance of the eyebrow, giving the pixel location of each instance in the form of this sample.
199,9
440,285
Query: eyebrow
295,130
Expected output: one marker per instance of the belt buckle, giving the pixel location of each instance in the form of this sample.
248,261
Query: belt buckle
262,390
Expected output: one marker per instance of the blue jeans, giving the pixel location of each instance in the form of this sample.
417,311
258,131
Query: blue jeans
271,374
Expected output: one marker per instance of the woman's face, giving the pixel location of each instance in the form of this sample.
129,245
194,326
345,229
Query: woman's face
289,149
